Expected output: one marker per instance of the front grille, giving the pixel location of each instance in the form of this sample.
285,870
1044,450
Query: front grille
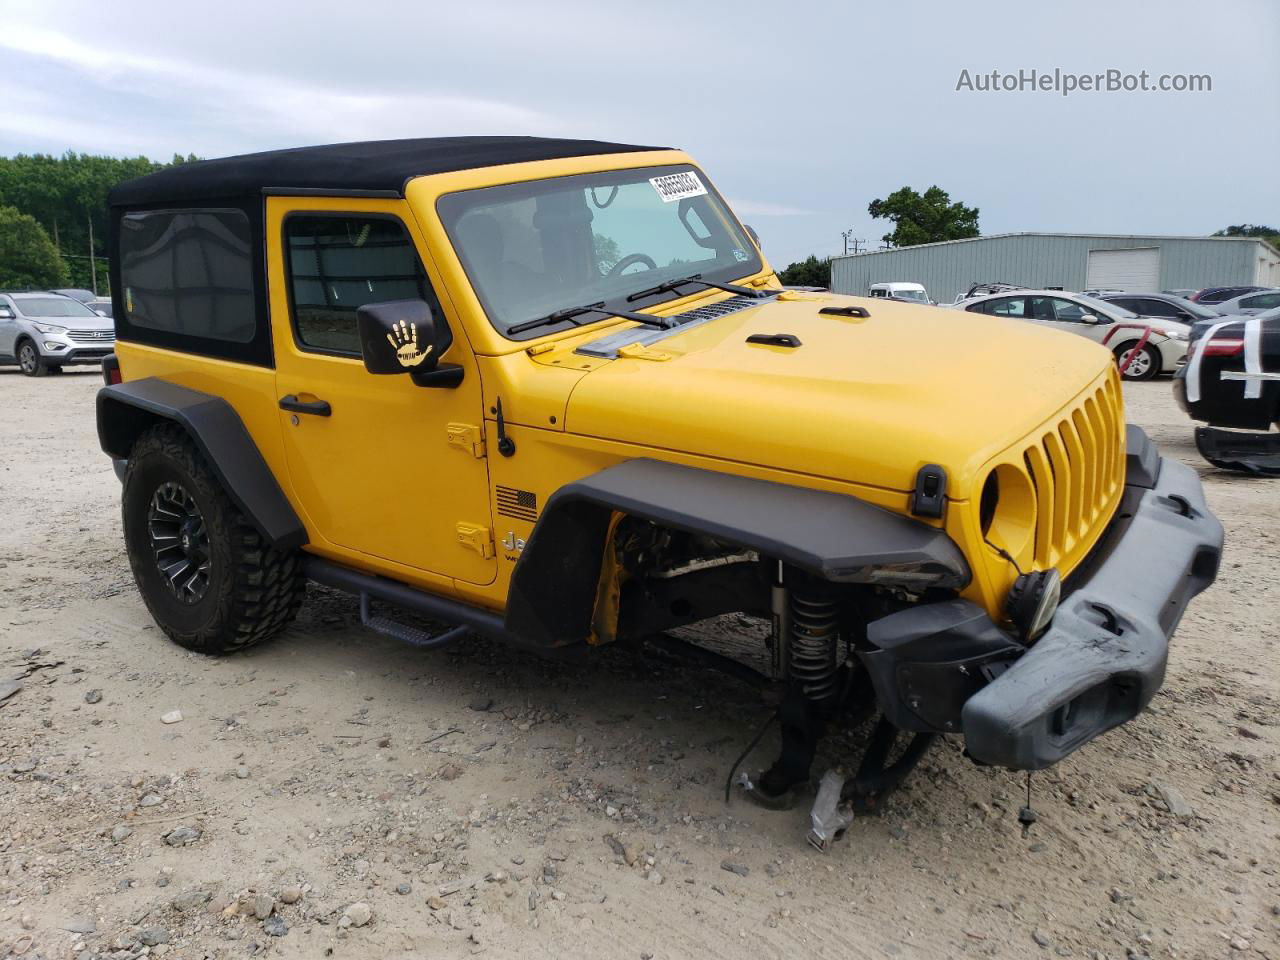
1077,467
92,336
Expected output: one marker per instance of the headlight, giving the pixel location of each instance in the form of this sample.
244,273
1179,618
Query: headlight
1032,602
49,328
1174,334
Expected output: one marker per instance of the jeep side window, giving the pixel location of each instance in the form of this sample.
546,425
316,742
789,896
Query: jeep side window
188,279
337,264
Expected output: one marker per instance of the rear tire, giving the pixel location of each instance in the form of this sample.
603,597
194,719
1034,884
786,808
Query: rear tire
1145,366
206,575
29,360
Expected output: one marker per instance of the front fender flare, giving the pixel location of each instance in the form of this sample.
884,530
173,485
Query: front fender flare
830,535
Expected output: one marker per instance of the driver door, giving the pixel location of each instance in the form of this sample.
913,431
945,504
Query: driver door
369,457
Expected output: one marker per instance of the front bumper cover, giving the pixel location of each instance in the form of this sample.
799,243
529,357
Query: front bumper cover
1103,657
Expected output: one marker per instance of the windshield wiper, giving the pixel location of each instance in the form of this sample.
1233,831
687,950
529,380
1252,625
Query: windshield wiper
571,313
672,285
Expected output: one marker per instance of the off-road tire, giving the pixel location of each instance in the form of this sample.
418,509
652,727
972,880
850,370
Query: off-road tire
253,591
1154,361
38,368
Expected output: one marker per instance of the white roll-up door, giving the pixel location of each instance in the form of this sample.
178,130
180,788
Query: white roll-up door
1136,270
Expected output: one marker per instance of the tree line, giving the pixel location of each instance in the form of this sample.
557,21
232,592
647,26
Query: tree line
916,217
53,217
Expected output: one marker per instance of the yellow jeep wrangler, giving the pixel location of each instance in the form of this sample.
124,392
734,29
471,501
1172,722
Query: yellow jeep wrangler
550,391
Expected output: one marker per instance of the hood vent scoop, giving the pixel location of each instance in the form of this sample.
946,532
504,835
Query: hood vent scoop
775,339
607,347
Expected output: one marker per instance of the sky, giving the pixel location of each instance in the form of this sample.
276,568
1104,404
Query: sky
800,114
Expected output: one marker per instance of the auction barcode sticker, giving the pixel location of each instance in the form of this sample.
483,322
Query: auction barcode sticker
677,186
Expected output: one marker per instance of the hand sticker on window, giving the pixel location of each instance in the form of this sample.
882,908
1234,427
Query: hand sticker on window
404,340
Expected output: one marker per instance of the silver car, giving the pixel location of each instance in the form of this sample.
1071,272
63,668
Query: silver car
1249,304
1117,329
43,332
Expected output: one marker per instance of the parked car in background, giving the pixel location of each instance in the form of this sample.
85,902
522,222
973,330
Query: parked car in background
1111,325
899,290
1232,380
1165,306
76,293
44,332
982,289
1250,304
1211,295
1101,292
1185,293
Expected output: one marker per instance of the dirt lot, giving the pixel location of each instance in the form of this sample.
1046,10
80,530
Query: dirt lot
473,801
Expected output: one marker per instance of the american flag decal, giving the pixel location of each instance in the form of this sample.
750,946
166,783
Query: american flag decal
520,504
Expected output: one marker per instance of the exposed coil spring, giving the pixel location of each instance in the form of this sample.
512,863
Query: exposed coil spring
815,635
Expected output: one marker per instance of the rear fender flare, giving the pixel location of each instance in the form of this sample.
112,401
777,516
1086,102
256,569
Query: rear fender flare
125,410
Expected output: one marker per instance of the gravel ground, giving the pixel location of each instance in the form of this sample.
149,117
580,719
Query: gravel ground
337,794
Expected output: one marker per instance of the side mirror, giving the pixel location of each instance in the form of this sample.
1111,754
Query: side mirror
1089,318
6,313
401,336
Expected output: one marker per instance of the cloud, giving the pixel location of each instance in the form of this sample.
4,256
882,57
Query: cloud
232,111
749,208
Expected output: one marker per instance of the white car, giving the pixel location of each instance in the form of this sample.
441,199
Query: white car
899,290
1116,328
1249,304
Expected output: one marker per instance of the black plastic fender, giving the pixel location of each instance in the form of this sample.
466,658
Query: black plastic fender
125,410
830,535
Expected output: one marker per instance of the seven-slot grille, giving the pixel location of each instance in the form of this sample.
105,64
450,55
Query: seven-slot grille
1077,467
518,504
91,336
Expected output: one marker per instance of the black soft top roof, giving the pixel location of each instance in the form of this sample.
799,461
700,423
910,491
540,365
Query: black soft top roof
346,168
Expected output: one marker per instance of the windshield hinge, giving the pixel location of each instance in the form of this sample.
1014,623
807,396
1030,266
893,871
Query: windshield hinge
638,351
477,538
468,437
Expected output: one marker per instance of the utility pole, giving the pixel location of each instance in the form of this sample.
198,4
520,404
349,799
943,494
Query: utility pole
851,241
93,264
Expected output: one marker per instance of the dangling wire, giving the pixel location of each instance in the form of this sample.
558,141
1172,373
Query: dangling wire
755,741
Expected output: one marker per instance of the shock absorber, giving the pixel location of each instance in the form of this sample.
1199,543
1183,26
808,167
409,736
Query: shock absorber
814,661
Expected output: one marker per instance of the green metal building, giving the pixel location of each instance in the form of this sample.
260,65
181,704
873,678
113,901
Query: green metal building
1070,261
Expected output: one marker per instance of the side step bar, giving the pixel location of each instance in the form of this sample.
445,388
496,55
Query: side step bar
404,632
466,618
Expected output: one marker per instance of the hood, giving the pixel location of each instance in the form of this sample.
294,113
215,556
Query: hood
860,400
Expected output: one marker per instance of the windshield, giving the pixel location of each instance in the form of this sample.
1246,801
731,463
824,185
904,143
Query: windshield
534,248
52,307
1193,308
1106,308
910,295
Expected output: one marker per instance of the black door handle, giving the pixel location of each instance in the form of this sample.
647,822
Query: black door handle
317,408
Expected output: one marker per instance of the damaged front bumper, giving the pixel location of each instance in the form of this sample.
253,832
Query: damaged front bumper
948,668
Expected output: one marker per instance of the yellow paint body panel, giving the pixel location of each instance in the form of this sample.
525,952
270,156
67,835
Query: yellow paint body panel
858,408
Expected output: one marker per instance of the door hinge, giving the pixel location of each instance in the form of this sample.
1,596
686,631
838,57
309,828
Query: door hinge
477,538
468,437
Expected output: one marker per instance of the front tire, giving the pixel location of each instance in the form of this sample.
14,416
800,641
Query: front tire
1145,366
29,360
206,575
